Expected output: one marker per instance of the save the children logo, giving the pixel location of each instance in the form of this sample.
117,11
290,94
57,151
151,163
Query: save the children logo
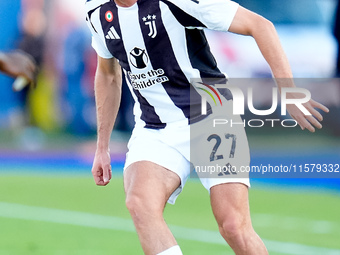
145,77
138,58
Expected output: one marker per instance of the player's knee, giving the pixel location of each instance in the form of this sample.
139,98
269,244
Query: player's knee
140,207
133,204
233,230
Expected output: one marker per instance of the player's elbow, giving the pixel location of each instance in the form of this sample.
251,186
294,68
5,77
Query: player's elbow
261,25
266,24
109,76
108,80
250,23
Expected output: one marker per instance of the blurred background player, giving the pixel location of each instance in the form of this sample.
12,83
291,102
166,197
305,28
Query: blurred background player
18,63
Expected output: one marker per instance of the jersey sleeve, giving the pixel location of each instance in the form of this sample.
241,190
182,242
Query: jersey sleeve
212,14
93,23
98,45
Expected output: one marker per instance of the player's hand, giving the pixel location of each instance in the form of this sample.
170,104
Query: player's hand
101,169
18,63
308,121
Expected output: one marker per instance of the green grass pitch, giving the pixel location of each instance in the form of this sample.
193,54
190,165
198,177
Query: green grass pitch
307,218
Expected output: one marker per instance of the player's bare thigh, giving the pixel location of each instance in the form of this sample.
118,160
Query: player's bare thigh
150,182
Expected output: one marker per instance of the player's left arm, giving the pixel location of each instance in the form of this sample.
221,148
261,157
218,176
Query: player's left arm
263,31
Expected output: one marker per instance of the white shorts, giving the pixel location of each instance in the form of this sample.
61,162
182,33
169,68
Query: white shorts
178,145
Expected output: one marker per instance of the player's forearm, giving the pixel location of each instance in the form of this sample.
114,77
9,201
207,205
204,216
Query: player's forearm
108,94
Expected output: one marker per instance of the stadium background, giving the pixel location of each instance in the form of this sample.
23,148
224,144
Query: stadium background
48,201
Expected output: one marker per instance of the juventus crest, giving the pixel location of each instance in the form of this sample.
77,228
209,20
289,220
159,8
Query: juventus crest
150,20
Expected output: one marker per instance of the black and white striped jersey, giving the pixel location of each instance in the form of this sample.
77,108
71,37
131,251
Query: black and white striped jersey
161,46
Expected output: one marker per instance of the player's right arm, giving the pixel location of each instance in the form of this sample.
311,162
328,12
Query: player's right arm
263,31
108,83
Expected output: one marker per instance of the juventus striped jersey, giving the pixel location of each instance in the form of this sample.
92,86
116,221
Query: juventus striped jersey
161,46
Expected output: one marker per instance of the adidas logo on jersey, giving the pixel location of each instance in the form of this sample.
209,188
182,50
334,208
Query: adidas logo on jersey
112,34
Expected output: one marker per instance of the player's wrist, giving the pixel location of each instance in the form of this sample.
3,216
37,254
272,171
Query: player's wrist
102,148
